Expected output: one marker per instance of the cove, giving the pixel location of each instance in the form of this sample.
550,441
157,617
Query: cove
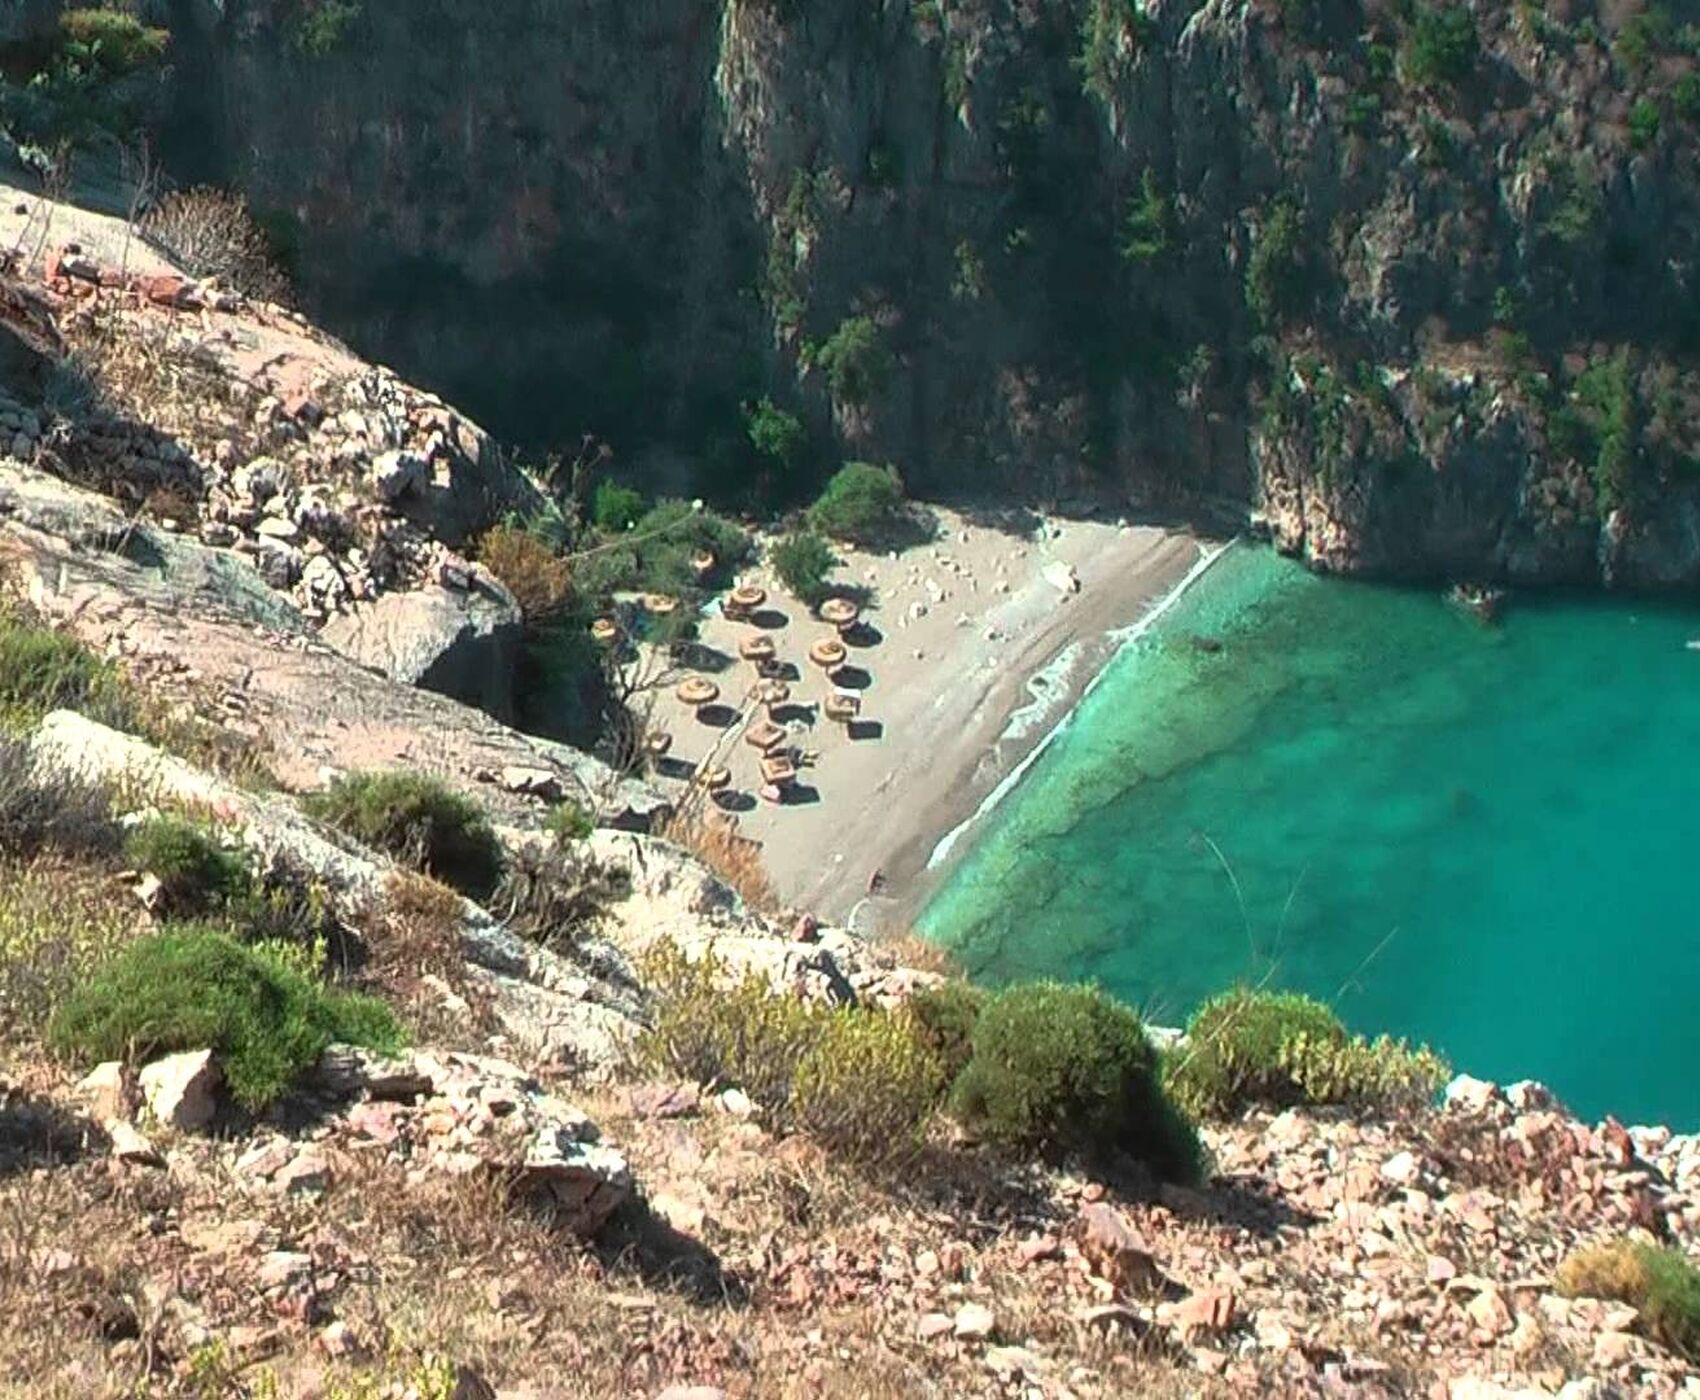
1484,837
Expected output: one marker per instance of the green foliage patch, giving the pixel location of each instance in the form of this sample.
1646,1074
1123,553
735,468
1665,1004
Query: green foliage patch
863,503
196,873
804,561
1058,1069
43,670
1441,46
1280,1048
614,507
861,1081
855,361
1660,1283
418,820
188,988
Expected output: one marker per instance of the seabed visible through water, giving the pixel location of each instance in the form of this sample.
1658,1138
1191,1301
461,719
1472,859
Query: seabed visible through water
1479,836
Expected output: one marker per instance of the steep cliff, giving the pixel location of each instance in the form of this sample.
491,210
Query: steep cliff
1418,283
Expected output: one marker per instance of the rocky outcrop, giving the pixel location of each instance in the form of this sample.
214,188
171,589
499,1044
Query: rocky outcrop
464,645
1089,246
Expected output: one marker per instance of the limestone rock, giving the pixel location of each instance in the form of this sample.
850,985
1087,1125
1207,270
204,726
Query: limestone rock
179,1090
111,1091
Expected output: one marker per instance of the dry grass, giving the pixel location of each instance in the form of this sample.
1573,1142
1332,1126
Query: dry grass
911,950
210,233
736,859
413,957
539,579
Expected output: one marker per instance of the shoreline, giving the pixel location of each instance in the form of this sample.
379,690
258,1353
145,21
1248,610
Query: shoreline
977,659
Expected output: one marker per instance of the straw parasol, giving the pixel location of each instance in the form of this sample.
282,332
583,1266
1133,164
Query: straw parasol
778,771
745,598
657,742
702,563
840,612
605,630
659,604
841,708
764,736
697,690
828,653
757,649
771,693
714,779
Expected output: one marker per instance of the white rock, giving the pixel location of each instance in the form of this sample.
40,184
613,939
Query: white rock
130,1146
1471,1095
1061,576
108,1090
974,1322
178,1090
397,474
1402,1168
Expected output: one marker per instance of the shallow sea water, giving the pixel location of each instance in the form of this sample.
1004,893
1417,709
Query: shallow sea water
1484,837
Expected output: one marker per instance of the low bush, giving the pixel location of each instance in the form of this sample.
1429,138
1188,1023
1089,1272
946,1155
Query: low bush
42,808
43,670
863,1082
1442,46
1059,1069
614,507
862,503
855,361
210,233
417,820
60,919
568,822
539,579
1280,1048
1661,1284
803,562
945,1016
195,872
777,436
187,988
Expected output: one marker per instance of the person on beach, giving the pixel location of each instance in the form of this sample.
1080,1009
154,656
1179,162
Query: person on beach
876,881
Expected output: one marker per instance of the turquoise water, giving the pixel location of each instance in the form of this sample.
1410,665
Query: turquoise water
1484,837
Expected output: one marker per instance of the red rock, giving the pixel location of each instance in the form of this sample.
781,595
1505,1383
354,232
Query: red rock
805,930
374,1120
1207,1312
1037,1247
1115,1252
164,289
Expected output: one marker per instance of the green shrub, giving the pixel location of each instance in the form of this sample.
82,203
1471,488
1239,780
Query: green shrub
863,1082
1281,1048
658,556
945,1016
1685,97
1442,46
1643,123
48,808
1659,1283
776,435
803,562
568,821
615,508
419,821
43,670
861,503
195,872
111,40
188,988
1145,230
1059,1069
324,24
1640,39
855,361
1275,271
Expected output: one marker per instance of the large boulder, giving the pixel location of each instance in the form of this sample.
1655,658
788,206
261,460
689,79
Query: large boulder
464,645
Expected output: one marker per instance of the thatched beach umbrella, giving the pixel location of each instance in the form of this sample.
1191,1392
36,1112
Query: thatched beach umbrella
702,564
828,653
697,690
744,600
657,742
771,693
840,612
758,649
659,604
778,771
764,736
605,630
841,707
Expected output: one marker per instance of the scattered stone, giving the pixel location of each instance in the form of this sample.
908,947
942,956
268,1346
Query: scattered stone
1208,1312
1118,1255
111,1092
129,1146
974,1322
179,1089
934,1325
305,1174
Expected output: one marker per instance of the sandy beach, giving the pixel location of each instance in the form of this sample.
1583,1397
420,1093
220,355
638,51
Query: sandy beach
970,652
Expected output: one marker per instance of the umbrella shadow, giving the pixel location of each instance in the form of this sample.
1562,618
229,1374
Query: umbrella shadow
699,656
731,800
852,678
799,795
673,767
801,712
717,716
770,620
862,636
860,729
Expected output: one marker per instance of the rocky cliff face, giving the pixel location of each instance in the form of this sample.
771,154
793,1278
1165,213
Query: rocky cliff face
1417,282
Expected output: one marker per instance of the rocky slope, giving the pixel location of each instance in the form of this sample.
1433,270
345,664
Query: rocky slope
1416,283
